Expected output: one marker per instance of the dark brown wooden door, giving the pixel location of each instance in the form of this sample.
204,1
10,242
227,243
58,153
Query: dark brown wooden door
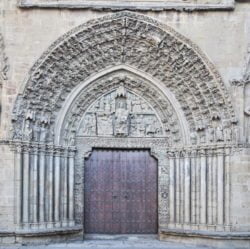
120,192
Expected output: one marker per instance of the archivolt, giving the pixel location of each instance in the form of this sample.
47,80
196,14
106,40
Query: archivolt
170,115
129,39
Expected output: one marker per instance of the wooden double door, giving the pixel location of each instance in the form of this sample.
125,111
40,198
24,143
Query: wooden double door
120,195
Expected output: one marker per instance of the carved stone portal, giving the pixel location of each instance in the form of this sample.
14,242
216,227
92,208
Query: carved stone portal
124,81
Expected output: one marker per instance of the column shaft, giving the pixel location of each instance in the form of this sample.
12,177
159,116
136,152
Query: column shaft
18,184
187,190
203,188
209,190
41,187
177,193
35,187
71,189
171,190
57,189
227,187
50,174
25,182
65,191
220,180
193,189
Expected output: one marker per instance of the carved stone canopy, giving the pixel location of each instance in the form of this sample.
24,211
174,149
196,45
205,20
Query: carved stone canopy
125,40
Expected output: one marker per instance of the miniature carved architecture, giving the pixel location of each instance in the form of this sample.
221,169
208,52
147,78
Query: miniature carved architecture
127,81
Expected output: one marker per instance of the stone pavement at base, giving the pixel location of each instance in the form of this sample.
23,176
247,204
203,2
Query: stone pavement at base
113,244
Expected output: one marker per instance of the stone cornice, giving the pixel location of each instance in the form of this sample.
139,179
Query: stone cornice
159,5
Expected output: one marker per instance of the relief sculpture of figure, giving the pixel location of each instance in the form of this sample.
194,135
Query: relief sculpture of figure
28,132
227,132
121,127
210,134
89,126
44,132
121,122
219,133
247,123
36,131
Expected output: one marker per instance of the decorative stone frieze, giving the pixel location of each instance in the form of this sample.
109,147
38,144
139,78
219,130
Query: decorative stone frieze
179,5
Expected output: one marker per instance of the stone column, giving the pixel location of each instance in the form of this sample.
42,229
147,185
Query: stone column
198,184
171,187
71,180
57,194
42,186
49,188
203,188
25,186
227,187
214,190
220,190
35,187
177,190
18,183
182,186
187,188
65,189
193,187
209,187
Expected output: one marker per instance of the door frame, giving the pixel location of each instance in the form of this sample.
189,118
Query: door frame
157,148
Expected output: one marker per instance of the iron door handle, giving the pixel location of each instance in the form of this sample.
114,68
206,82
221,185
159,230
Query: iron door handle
114,196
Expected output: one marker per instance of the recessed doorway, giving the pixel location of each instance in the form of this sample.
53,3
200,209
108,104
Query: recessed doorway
120,192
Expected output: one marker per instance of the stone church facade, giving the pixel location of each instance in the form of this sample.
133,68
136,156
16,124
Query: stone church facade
168,77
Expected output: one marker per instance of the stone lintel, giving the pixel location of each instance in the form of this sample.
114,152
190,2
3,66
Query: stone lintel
179,5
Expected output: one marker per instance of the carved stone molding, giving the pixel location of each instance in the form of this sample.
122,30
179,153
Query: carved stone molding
179,5
141,43
95,112
157,147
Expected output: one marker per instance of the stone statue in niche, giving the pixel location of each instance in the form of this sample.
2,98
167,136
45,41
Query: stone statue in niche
219,133
210,134
28,131
193,137
227,132
121,113
44,132
36,131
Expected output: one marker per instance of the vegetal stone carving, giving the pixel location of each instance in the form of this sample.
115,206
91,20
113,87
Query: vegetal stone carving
140,42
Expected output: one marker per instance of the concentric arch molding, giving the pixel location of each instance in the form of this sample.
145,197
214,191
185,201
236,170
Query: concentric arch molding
138,42
190,5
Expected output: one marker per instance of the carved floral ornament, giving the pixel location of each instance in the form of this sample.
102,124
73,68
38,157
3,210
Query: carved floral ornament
141,43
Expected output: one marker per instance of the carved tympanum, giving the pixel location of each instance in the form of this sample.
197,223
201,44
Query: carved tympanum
121,113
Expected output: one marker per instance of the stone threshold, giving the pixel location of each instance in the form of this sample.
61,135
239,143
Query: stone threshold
40,232
207,234
132,237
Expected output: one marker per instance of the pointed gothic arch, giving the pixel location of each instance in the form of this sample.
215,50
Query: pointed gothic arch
151,60
125,39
